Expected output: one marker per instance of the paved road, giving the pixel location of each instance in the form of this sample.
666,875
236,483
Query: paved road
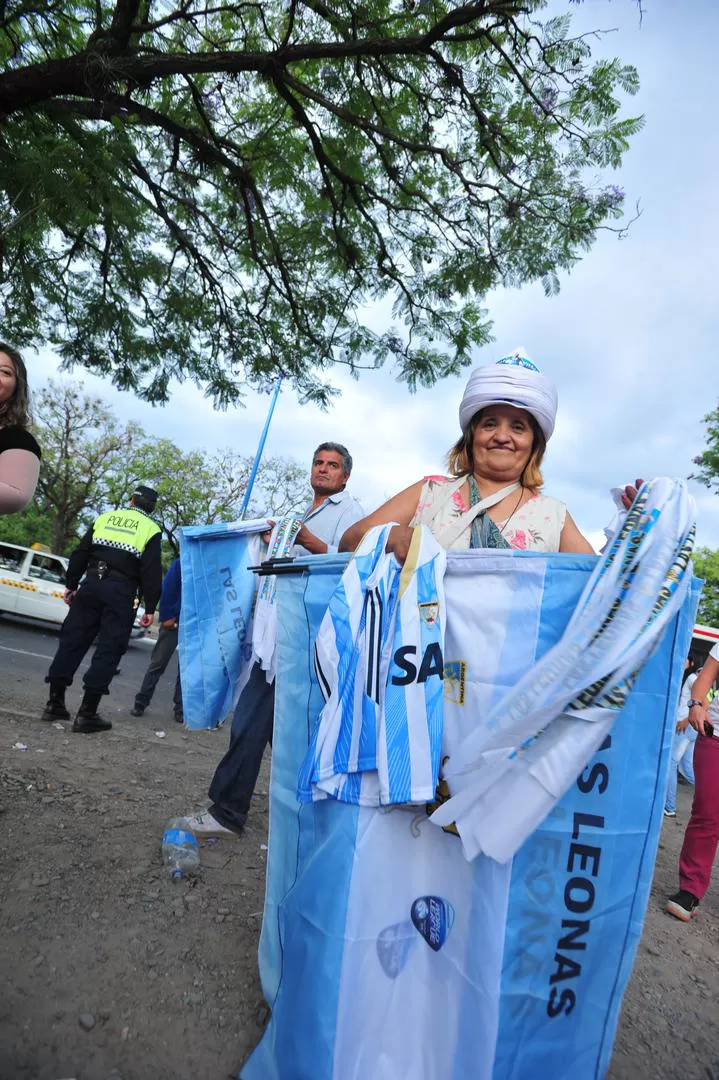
26,648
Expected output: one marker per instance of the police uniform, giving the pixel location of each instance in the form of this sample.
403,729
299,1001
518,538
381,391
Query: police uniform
120,555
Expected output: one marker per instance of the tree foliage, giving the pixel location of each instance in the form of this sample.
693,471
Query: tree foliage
706,565
706,561
708,462
91,463
197,488
83,449
32,526
220,190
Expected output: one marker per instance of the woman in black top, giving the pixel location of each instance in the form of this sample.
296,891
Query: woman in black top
19,452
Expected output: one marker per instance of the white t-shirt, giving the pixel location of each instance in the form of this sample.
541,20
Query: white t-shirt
685,696
713,709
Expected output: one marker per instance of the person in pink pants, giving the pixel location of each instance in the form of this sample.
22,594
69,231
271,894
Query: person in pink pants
702,834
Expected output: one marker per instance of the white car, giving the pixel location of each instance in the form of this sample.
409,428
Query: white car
32,583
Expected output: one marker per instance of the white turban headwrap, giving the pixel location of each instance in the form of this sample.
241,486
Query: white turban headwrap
513,380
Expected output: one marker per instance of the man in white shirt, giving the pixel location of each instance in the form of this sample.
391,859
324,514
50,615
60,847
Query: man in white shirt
328,516
702,836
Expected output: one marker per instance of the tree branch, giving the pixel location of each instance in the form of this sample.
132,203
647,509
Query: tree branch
93,72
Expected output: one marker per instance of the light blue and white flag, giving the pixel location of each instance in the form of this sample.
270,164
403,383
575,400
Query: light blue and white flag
509,772
384,952
218,591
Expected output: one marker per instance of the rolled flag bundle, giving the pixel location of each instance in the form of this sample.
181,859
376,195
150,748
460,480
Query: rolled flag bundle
507,775
264,623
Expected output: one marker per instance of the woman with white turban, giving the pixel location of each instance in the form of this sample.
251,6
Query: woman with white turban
492,498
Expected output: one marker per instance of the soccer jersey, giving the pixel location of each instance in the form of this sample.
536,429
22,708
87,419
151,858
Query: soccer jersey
378,658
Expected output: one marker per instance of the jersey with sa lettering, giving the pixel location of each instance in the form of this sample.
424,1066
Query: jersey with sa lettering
378,658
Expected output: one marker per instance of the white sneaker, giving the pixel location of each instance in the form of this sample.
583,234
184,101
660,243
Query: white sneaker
203,824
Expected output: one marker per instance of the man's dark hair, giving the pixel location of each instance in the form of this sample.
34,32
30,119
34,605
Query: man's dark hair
336,448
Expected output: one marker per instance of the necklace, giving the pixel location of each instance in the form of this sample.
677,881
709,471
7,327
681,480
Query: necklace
516,508
473,478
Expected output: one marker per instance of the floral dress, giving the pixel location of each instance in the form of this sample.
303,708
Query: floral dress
536,526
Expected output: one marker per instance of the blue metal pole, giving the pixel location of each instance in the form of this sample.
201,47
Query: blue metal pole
260,448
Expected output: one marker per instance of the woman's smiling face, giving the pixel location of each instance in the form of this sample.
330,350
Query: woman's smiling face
502,443
8,378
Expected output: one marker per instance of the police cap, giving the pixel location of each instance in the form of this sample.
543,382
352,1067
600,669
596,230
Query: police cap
147,496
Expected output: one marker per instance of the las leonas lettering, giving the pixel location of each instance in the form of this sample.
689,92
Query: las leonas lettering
583,864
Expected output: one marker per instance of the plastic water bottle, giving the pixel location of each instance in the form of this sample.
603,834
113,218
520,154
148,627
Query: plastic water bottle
180,853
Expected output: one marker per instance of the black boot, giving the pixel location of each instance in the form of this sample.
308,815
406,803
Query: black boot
88,718
55,708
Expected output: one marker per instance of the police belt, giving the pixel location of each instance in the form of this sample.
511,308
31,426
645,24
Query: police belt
103,572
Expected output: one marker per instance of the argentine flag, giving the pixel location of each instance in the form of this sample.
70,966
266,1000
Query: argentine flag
384,952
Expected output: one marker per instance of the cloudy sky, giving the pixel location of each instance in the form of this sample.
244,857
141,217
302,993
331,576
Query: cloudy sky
630,340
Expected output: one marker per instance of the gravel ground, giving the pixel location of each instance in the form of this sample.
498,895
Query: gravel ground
112,972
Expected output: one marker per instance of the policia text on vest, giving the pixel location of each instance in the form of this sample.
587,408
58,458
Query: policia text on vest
120,557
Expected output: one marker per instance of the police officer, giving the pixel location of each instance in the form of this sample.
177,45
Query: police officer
119,555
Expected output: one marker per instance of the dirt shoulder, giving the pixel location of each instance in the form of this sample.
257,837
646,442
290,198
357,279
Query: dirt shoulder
112,972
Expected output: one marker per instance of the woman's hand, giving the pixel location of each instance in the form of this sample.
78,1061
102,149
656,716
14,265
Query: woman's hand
267,536
682,725
698,717
398,541
630,493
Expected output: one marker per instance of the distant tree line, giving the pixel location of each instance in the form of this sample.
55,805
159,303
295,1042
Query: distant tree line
91,462
706,561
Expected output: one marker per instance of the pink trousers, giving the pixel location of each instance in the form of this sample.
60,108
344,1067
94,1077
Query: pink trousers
702,835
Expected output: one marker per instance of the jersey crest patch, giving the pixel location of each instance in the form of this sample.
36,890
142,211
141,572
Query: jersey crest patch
455,672
429,612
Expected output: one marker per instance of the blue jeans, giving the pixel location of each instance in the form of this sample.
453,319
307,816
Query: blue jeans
682,760
236,775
